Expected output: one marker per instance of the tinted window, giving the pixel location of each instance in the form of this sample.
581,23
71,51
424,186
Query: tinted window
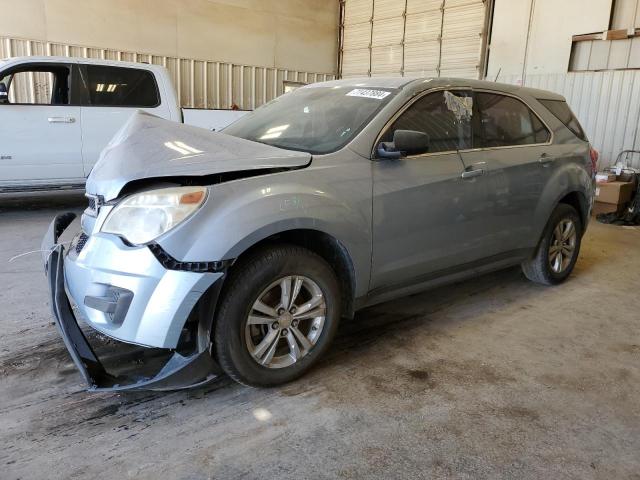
444,116
562,111
312,119
37,85
508,121
121,87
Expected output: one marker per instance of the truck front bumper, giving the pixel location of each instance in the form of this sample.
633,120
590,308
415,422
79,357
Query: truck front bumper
142,307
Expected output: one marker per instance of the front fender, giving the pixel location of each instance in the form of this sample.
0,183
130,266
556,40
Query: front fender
241,213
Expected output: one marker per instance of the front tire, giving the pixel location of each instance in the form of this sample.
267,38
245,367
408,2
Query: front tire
558,249
278,313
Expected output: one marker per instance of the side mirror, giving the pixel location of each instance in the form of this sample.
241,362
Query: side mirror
4,95
411,142
405,142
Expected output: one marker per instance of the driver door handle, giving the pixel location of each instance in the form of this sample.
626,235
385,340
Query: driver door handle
472,173
61,119
545,158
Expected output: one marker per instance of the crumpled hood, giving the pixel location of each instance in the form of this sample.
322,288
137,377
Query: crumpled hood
151,147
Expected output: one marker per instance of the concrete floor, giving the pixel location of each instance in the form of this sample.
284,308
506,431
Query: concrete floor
492,378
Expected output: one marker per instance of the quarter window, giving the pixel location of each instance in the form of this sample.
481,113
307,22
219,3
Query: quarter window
507,121
121,87
563,113
445,116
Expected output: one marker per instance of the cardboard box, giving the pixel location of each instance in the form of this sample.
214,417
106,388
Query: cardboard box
599,207
604,177
615,193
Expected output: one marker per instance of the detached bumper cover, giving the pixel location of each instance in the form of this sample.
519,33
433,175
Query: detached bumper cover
178,372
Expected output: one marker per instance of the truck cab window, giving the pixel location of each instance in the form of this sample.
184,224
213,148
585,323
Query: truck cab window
120,87
41,85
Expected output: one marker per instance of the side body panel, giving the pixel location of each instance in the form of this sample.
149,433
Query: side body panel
567,173
332,195
424,218
566,169
503,211
39,142
507,194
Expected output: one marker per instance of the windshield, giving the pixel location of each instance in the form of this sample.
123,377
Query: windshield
314,120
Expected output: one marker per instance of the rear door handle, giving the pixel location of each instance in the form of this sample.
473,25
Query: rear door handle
545,158
472,173
61,120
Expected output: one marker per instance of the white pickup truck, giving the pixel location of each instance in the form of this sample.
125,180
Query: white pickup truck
58,113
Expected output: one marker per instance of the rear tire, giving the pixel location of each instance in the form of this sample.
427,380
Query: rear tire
279,311
558,249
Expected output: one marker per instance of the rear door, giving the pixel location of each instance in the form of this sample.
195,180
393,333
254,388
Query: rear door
514,157
40,137
111,95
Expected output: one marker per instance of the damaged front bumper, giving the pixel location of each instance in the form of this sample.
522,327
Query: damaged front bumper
119,313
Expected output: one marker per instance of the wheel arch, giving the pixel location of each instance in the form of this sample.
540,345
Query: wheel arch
320,242
569,184
329,248
577,200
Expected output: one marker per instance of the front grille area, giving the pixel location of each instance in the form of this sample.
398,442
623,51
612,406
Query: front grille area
82,240
170,263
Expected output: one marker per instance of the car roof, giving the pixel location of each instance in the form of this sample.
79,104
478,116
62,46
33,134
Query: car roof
418,84
366,82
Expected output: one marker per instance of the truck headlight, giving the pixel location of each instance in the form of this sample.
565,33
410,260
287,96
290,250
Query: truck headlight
145,216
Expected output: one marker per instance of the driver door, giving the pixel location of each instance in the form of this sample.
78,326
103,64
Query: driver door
40,138
424,213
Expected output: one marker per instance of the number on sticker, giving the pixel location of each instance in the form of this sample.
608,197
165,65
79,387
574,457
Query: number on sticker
368,93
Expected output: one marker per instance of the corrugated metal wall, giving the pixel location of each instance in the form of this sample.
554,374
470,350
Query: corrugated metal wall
606,103
605,55
413,37
199,83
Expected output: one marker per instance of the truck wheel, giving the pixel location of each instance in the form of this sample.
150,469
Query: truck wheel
558,249
278,314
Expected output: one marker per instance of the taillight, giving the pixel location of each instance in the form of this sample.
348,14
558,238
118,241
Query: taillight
593,153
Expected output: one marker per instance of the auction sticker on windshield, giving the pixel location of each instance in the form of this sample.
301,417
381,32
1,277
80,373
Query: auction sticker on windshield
368,93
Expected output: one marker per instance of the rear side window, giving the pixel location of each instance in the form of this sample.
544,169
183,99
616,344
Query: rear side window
563,113
507,121
444,116
121,87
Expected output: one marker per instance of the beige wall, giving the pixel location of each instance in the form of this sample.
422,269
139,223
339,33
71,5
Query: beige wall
553,24
291,34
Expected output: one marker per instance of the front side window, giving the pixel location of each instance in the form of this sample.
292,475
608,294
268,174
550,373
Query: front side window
36,85
312,119
445,116
120,87
506,121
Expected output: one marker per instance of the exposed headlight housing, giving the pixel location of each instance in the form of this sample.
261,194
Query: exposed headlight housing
145,216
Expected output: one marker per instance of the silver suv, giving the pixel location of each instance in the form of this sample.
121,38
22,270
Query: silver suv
244,249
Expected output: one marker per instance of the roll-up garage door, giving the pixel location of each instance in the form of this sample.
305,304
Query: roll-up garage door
413,38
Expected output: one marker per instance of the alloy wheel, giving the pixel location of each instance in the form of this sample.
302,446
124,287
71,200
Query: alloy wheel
562,246
285,321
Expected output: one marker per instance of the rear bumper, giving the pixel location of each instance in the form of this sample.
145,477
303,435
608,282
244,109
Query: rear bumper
180,371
